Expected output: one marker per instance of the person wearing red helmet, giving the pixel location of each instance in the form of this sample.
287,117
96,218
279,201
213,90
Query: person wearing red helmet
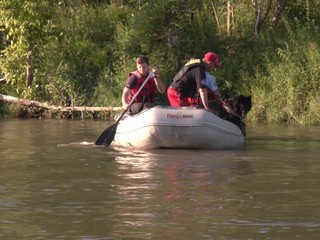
192,79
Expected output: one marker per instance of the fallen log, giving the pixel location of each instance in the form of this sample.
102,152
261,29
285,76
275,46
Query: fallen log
32,103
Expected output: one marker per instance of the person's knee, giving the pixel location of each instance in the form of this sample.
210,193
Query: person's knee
135,108
148,105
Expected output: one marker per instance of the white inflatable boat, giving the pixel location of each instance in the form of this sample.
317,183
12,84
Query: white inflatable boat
169,127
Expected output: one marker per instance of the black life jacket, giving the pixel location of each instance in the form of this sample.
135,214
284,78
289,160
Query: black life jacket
184,86
186,67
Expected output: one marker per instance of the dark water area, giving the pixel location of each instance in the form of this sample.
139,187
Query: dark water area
54,184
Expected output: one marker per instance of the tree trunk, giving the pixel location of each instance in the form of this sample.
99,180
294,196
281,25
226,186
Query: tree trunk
261,13
29,77
31,103
280,6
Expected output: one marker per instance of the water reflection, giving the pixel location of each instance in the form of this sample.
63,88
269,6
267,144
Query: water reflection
218,190
55,185
162,191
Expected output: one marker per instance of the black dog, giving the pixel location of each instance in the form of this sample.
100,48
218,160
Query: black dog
234,109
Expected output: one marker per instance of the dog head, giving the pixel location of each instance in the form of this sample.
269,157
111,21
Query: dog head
242,104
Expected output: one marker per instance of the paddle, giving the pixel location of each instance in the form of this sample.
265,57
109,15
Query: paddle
107,135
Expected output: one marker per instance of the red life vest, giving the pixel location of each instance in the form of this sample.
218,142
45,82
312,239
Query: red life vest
148,93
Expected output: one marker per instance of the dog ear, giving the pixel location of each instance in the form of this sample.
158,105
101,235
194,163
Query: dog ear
248,103
249,99
241,98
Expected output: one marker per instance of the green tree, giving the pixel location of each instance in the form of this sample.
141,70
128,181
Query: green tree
26,26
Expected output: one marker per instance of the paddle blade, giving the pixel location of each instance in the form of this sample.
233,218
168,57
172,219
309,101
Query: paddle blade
111,134
107,136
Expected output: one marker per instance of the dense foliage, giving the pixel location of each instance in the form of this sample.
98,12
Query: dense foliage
79,52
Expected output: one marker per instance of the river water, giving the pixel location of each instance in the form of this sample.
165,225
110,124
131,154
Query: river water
54,184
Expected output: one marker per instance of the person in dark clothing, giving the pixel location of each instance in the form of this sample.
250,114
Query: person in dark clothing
190,80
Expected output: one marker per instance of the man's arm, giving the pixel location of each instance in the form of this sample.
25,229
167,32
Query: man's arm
204,97
126,93
217,95
159,84
200,77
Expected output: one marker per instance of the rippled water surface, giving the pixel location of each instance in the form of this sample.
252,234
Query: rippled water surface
54,184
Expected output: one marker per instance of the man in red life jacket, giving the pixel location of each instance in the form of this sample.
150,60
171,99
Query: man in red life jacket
191,79
134,81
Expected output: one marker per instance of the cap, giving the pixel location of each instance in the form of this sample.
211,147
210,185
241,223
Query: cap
212,57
